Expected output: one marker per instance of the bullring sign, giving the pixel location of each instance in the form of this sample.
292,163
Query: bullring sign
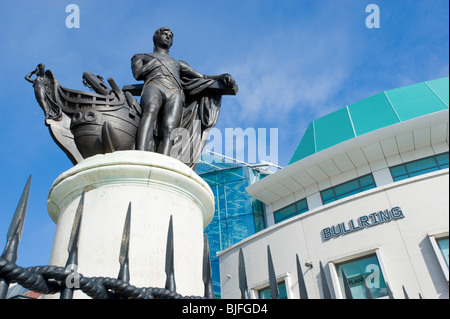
362,222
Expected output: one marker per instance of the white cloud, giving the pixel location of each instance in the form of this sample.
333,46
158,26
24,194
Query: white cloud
300,76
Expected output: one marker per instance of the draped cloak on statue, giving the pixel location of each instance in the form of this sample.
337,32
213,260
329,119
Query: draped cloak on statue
200,114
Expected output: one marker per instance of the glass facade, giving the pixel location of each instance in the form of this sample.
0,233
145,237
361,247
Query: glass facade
419,167
291,211
349,188
366,268
237,215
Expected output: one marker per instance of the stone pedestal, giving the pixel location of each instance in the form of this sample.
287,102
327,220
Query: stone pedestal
157,187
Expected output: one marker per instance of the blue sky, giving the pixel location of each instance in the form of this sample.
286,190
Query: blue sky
294,61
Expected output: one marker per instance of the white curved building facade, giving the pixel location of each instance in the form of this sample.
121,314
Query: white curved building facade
374,203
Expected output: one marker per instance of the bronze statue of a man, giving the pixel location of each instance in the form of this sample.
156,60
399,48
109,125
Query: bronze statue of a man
162,98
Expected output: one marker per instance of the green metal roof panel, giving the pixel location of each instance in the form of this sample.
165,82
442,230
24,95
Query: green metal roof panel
378,111
440,88
333,129
307,145
414,100
372,113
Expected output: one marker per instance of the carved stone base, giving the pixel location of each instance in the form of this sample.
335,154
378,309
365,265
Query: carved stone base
157,187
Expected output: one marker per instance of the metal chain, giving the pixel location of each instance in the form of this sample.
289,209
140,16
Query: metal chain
50,279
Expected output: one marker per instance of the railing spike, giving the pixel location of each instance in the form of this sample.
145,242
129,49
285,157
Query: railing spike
18,220
368,292
124,272
72,260
243,286
272,277
207,275
301,281
14,234
325,288
389,291
170,273
405,293
348,292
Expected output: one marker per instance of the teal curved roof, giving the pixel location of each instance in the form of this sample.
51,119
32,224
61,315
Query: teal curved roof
381,110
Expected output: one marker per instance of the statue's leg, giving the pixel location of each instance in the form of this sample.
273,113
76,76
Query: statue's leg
173,111
151,102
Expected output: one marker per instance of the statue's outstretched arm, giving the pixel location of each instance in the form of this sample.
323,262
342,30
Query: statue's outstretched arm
188,71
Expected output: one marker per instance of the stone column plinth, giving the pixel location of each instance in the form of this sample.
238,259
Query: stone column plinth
157,187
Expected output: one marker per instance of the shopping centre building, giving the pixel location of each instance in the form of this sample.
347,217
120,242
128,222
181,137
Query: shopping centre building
366,191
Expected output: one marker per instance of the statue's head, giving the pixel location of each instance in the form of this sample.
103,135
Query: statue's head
163,37
40,69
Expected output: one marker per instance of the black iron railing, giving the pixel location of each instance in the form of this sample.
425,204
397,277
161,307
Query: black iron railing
53,279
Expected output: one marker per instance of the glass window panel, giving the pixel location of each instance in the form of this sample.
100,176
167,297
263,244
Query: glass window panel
348,187
442,160
302,206
258,213
215,274
285,213
265,294
240,228
365,188
237,199
327,194
291,211
213,238
367,181
223,233
421,164
419,167
443,245
221,207
398,170
356,269
282,293
443,166
231,175
260,222
352,192
423,171
399,178
213,178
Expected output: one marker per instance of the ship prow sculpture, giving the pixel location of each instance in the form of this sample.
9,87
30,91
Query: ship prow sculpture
84,124
178,107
